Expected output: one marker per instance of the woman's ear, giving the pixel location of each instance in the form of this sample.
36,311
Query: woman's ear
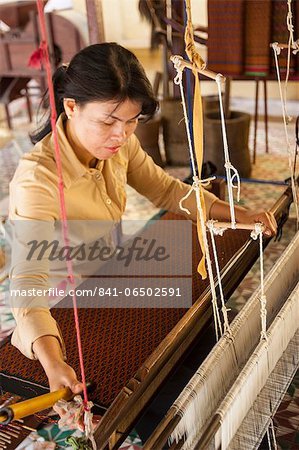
69,107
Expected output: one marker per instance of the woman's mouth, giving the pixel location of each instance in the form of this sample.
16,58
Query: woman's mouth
113,149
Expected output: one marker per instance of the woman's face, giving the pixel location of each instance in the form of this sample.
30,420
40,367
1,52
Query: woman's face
103,127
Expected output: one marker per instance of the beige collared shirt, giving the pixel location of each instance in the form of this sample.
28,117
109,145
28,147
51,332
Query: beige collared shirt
90,194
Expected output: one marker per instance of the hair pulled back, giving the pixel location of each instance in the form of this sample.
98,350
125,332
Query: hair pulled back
104,72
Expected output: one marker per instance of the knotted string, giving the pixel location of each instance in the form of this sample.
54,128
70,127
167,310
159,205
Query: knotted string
286,120
231,171
198,184
257,233
219,231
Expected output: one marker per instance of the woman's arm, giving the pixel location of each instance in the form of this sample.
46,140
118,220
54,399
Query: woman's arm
220,211
166,192
49,353
33,211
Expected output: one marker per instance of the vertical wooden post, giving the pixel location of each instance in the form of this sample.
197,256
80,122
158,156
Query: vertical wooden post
95,21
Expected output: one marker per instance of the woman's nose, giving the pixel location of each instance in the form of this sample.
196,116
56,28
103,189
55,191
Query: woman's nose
119,130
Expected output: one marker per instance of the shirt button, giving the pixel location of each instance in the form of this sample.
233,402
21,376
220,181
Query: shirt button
108,201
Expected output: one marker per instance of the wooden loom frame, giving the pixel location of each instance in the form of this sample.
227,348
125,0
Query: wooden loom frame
129,404
209,435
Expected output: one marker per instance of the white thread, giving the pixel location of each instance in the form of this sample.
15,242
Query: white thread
276,51
194,186
228,165
290,44
268,439
273,434
197,186
271,427
290,23
224,310
257,233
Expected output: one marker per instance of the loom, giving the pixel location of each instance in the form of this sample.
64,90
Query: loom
131,364
236,391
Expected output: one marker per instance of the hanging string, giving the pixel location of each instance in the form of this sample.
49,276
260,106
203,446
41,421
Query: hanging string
273,434
224,309
45,52
283,98
197,61
277,50
198,145
231,171
257,233
271,427
195,188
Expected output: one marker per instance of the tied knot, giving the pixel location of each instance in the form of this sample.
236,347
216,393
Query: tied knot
217,231
276,48
177,62
263,312
258,230
196,186
290,22
74,412
227,328
295,47
234,178
219,78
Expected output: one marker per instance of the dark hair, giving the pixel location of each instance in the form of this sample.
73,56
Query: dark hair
105,72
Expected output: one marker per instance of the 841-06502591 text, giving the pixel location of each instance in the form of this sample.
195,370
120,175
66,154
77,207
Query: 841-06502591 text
102,292
140,292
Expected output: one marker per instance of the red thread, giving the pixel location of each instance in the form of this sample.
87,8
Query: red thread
45,53
35,60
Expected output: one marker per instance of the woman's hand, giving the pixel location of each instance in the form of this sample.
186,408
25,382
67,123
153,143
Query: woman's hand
265,217
220,211
59,373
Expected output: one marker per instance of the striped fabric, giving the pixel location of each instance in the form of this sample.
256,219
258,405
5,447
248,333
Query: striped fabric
257,37
240,33
226,36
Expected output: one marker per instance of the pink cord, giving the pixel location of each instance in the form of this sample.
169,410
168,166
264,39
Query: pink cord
45,53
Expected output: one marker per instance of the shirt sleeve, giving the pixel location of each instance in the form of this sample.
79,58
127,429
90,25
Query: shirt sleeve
32,214
163,190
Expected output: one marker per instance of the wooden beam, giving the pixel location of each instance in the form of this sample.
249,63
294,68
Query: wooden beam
95,21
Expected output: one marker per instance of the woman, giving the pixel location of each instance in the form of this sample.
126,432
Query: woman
99,98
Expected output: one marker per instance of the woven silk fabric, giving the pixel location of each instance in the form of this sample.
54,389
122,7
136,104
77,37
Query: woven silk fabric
240,33
257,37
226,36
117,341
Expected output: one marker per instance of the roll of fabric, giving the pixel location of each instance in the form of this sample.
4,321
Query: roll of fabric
257,36
226,22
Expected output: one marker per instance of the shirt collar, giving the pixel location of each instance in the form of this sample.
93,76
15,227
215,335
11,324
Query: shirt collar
72,168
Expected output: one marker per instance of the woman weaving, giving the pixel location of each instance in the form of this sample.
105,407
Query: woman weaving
99,98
